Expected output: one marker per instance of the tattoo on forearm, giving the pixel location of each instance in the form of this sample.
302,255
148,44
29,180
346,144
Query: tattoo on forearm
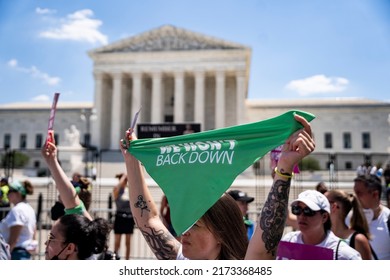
163,244
141,203
273,215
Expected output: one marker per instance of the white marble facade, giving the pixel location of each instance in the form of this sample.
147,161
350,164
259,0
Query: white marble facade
175,75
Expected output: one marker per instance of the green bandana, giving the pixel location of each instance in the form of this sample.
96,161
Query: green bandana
194,170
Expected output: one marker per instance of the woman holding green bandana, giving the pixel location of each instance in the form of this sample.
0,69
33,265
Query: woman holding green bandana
220,233
18,227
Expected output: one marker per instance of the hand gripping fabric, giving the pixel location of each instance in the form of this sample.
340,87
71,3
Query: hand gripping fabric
194,170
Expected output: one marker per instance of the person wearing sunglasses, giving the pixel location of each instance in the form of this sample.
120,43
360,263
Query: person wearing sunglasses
312,209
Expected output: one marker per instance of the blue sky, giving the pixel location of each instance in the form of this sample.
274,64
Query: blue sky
300,49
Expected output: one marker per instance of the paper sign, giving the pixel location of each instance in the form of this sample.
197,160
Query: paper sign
51,118
297,251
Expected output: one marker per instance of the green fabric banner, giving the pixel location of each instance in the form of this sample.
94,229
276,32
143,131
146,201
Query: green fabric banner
194,170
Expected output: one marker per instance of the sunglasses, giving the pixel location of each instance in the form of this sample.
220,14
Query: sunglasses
297,210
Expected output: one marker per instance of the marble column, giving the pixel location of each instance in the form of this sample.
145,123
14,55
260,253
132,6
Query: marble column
199,98
136,101
220,99
116,111
97,125
157,100
240,102
179,97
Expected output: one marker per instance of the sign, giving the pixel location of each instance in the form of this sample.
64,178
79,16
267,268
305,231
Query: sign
297,251
166,129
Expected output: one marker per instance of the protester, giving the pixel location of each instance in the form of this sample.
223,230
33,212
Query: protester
386,175
312,209
75,235
4,201
321,187
82,186
19,226
124,222
368,190
292,219
357,235
220,232
242,199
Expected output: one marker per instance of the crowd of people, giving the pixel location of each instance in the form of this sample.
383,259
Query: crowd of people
326,223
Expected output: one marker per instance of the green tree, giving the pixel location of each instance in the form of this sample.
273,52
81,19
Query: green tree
309,163
15,158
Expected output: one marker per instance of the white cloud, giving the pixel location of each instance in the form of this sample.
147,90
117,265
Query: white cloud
41,98
44,11
13,63
318,84
78,26
35,73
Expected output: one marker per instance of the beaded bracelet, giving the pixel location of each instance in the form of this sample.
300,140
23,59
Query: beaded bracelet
283,175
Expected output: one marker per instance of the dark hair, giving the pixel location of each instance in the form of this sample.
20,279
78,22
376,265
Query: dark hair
84,194
321,187
86,197
90,237
371,182
224,220
4,180
328,222
28,187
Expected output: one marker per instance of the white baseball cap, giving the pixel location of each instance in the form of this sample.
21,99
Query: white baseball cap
314,200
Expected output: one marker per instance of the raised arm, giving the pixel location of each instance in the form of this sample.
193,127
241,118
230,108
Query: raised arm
68,194
120,187
269,229
144,209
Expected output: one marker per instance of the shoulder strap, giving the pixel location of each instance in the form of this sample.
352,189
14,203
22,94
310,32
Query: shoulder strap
352,240
373,253
352,244
337,249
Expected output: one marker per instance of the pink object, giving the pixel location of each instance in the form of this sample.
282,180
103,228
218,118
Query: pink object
297,251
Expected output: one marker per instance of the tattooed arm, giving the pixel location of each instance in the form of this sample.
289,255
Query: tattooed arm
145,212
269,229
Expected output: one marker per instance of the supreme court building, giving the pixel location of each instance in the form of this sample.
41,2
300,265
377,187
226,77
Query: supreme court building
174,75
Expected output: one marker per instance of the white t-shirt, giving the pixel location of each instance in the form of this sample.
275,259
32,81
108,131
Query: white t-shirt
380,235
344,252
180,255
22,214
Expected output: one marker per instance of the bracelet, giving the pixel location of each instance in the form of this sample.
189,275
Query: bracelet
283,175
